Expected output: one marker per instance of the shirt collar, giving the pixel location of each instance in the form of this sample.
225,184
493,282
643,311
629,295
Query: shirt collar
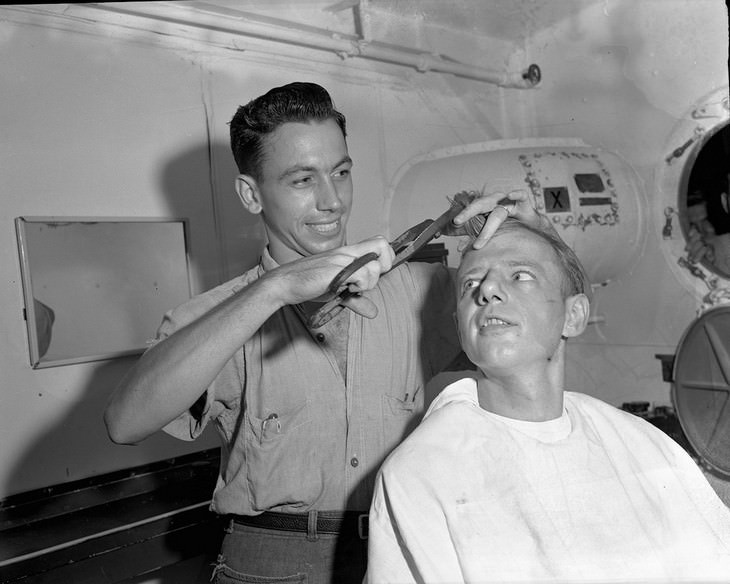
267,263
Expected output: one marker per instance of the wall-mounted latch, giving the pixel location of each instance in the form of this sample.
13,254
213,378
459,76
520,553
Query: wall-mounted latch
678,152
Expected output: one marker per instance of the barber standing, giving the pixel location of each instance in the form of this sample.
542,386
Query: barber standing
305,416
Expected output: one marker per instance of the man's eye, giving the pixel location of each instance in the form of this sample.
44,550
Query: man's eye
469,285
523,276
342,173
302,181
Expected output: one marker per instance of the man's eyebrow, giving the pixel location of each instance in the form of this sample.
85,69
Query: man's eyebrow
469,274
308,168
524,263
518,263
295,169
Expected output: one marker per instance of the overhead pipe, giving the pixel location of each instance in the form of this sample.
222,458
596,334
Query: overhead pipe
433,62
344,45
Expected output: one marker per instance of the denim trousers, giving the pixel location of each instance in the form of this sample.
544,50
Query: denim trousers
255,555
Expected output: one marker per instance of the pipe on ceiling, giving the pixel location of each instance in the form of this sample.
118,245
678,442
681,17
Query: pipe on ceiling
219,18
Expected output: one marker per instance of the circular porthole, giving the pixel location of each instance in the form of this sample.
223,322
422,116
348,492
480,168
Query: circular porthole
704,206
692,195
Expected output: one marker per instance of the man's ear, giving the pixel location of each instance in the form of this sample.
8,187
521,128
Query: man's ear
577,311
248,191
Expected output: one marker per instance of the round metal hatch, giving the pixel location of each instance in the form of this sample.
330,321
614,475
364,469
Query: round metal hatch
701,389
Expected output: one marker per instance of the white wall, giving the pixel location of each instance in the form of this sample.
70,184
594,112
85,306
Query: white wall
101,118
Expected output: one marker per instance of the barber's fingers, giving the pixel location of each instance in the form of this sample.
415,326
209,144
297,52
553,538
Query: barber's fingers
497,207
494,220
523,206
485,203
365,278
378,245
515,203
368,275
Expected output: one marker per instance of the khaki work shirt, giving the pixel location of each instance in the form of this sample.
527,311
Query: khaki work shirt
296,435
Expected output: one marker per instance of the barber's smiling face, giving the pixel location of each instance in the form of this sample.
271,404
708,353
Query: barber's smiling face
305,191
510,306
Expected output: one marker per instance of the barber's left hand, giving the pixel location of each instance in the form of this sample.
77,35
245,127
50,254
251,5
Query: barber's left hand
497,206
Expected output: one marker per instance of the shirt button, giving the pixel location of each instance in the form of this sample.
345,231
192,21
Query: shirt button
354,461
320,337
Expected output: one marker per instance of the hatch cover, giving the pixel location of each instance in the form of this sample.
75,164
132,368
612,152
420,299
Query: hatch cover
701,389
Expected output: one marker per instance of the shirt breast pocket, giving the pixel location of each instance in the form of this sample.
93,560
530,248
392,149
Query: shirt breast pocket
400,417
276,427
277,450
394,406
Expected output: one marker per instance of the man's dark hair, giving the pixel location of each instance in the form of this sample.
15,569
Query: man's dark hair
295,102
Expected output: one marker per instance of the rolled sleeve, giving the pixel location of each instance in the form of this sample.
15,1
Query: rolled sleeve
224,393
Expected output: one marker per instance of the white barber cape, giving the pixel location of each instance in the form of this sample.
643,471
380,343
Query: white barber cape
598,495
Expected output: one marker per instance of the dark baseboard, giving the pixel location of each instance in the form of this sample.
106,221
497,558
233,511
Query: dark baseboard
116,525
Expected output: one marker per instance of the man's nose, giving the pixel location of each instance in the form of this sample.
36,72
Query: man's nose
490,290
328,197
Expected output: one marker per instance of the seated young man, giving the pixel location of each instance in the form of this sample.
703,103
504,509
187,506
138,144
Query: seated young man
510,478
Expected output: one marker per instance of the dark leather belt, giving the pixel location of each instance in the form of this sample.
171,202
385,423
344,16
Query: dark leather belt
329,522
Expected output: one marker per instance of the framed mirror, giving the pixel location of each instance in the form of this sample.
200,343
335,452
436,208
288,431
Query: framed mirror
97,288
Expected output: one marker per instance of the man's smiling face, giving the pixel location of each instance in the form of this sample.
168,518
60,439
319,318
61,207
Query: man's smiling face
305,190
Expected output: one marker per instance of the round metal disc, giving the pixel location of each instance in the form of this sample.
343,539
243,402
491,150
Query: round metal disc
701,389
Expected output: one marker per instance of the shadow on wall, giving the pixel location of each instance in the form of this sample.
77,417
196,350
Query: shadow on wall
80,438
225,239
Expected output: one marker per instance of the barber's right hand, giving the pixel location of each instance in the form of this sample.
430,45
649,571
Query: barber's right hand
309,278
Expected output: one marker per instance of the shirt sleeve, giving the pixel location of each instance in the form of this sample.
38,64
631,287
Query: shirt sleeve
224,393
438,305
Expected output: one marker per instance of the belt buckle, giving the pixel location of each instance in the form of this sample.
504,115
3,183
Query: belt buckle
362,526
